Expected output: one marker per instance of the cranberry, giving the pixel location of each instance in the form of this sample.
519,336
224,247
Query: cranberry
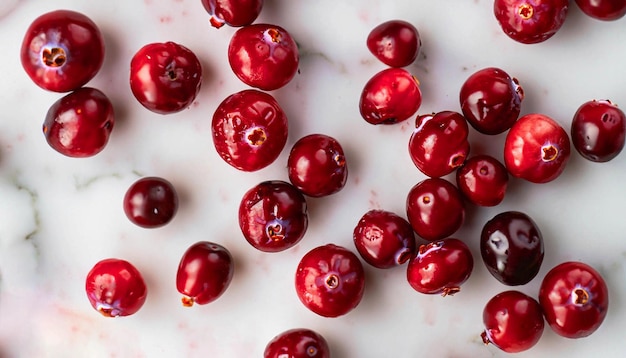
530,21
513,321
395,43
491,100
330,280
606,10
536,148
390,96
317,165
115,288
483,180
204,273
62,50
150,202
598,130
165,77
574,299
273,216
297,343
438,145
249,130
384,239
235,13
263,56
435,209
79,124
440,267
511,246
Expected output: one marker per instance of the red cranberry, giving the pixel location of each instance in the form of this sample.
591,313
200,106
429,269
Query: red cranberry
438,145
390,96
491,100
115,288
395,43
513,322
384,239
536,148
574,299
235,13
530,21
317,165
606,10
150,202
330,280
483,180
204,273
62,50
297,343
598,130
165,77
80,123
263,56
273,216
249,130
435,209
440,267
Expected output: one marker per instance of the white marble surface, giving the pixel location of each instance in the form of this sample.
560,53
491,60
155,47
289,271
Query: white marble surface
58,215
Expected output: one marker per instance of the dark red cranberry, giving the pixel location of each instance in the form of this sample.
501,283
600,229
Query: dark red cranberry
530,21
605,10
483,180
439,145
80,123
395,43
390,96
440,267
513,322
574,299
235,13
297,343
435,209
115,288
384,239
204,273
151,202
536,149
263,56
62,50
491,100
249,130
598,130
317,165
330,280
273,216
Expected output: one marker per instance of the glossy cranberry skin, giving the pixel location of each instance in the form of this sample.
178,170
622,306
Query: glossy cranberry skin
62,50
605,10
235,13
536,149
80,123
297,343
483,180
511,246
439,144
390,96
598,130
491,100
384,239
150,202
115,288
530,21
330,280
204,273
273,216
263,56
396,43
165,77
249,130
317,165
435,209
574,298
440,267
513,321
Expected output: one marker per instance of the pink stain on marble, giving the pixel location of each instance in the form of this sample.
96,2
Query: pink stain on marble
373,201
